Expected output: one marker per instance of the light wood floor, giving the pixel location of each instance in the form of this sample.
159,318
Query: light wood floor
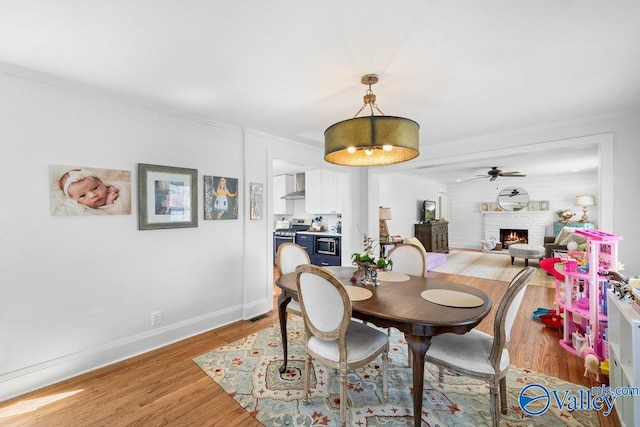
165,387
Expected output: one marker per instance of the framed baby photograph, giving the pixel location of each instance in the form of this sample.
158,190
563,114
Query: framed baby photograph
82,190
220,198
167,197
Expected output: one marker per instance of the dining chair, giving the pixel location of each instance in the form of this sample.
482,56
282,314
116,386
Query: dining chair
331,337
408,259
288,257
480,355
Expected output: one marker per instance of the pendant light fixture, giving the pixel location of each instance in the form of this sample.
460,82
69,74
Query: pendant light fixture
371,140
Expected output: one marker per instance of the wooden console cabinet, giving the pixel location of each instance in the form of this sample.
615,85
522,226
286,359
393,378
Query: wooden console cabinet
433,236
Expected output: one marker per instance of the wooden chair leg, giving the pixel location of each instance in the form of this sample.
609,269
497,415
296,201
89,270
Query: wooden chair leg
343,397
307,369
503,395
495,414
440,375
385,376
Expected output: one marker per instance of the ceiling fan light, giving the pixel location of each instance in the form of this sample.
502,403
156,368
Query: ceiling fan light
351,149
368,151
387,147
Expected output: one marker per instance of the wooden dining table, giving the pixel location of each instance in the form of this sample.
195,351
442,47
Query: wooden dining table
399,304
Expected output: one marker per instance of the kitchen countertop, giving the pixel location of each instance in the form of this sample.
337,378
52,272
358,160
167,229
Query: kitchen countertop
321,233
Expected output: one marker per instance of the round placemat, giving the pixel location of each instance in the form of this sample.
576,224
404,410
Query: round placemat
357,293
392,276
451,298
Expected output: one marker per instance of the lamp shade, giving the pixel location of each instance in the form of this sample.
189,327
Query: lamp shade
584,201
371,141
384,213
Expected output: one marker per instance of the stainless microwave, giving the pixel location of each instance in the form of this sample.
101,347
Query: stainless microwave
328,245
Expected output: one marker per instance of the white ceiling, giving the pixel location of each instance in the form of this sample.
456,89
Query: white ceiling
292,68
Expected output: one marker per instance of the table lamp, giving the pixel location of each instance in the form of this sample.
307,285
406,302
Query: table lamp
584,201
384,214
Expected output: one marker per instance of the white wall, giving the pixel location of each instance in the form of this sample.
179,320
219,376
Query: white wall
466,226
78,292
403,194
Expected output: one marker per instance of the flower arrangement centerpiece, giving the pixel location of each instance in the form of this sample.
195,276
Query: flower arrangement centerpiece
565,214
368,264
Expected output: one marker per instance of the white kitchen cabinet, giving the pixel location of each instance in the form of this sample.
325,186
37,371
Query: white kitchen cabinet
325,191
313,191
282,184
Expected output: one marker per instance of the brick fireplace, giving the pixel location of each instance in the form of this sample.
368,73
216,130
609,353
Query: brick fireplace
533,222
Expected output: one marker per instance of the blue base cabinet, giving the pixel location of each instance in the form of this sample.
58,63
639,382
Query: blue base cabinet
307,241
326,260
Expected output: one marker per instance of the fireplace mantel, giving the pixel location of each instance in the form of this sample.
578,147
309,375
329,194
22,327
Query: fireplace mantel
532,221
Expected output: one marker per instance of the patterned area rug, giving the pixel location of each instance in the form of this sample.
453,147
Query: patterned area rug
491,265
248,371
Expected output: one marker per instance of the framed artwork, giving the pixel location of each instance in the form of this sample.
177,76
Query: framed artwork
534,206
256,199
167,197
484,207
220,198
544,205
80,190
493,207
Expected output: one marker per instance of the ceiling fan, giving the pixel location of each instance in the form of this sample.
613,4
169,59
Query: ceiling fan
494,173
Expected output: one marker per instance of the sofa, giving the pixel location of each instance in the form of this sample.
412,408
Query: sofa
562,240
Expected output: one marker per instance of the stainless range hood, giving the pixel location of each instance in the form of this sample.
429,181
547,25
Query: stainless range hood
298,192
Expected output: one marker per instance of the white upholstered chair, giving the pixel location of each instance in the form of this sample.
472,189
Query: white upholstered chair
408,259
480,355
288,257
332,338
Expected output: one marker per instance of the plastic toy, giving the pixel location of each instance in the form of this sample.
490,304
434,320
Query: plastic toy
591,361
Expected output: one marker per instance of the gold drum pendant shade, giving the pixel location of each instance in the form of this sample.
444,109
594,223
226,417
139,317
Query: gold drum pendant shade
372,132
371,140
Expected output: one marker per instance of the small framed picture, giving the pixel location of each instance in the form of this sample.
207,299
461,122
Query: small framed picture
220,197
167,197
256,200
544,205
484,207
493,207
534,206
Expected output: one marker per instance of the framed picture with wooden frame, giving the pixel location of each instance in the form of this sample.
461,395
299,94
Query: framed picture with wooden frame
167,197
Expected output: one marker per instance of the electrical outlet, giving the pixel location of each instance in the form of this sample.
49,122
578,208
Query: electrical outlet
156,318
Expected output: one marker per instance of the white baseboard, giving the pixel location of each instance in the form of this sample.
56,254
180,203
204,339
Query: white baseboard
21,381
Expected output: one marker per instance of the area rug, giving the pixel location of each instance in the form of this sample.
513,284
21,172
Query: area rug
491,265
248,371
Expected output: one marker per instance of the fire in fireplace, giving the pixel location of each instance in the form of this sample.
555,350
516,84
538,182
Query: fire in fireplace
510,236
